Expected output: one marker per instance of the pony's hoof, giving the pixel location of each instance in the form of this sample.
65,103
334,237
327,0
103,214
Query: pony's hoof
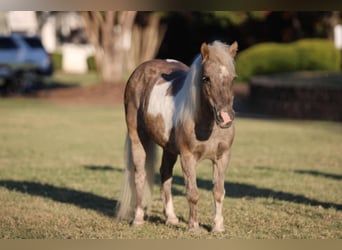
137,223
218,229
172,221
195,228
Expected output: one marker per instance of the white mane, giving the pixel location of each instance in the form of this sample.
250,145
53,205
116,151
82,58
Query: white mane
187,102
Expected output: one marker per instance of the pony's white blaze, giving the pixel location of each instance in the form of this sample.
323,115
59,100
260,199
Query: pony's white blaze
163,104
223,72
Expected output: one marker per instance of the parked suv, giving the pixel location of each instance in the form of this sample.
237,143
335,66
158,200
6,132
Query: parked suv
22,59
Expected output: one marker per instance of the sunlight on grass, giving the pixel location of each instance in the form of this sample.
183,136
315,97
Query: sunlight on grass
61,171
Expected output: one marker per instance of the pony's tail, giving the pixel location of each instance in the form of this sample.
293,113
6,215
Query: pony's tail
127,202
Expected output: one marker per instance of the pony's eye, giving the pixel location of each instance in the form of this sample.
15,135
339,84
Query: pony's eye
205,79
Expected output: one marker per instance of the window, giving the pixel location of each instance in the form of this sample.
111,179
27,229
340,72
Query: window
7,43
33,42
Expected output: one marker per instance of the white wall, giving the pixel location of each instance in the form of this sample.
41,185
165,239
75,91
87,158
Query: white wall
75,58
22,21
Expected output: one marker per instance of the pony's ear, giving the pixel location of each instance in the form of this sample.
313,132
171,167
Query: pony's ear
204,52
233,49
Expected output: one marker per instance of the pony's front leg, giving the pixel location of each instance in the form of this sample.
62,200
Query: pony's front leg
188,163
168,161
219,169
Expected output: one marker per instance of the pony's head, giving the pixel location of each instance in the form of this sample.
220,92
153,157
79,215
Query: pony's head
217,80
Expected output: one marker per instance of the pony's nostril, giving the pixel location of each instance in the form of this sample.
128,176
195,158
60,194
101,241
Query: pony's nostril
219,117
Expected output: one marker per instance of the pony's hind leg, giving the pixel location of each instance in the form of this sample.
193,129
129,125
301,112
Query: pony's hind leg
143,152
168,161
139,158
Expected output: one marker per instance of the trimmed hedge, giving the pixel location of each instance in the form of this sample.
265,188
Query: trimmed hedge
270,58
56,58
91,63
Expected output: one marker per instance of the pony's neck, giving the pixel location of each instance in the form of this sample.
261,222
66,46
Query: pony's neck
204,123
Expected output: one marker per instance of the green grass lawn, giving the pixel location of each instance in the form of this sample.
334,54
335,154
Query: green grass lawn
63,79
61,170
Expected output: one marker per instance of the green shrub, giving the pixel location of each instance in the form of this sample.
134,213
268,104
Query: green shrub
56,58
270,58
91,63
317,54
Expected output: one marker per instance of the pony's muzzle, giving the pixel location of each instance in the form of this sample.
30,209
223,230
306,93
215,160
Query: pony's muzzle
223,118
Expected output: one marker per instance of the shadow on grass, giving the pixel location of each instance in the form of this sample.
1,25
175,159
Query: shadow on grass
64,195
305,171
103,168
319,174
107,206
241,190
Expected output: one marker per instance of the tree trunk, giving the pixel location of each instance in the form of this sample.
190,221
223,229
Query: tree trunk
146,41
122,40
110,33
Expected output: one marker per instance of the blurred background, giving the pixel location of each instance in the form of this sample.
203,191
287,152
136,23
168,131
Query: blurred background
289,63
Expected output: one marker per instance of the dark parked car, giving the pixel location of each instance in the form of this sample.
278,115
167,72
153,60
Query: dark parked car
22,58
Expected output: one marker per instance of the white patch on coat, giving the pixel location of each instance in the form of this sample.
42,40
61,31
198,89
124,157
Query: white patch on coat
223,72
163,104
